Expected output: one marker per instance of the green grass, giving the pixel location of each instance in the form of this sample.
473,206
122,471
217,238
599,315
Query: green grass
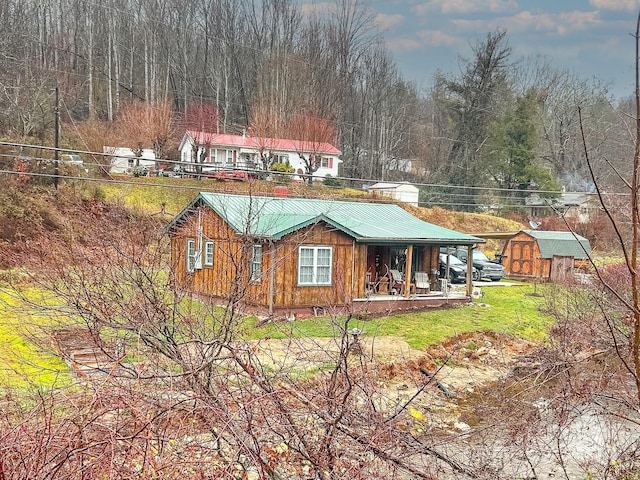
26,361
513,310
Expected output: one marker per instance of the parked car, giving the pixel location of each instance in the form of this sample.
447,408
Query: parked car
487,269
72,159
457,269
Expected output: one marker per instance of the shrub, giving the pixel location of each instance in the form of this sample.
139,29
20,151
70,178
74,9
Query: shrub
285,168
330,181
140,172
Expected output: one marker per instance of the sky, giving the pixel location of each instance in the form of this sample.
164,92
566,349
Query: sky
591,38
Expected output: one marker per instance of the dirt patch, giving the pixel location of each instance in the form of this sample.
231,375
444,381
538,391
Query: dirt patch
444,373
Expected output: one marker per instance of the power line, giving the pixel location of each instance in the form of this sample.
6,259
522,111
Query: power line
471,188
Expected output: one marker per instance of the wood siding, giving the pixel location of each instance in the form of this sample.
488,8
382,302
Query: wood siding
228,277
522,259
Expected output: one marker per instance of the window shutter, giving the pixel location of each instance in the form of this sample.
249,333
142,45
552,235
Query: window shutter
330,162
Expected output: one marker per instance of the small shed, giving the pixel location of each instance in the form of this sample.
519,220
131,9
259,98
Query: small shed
402,192
548,255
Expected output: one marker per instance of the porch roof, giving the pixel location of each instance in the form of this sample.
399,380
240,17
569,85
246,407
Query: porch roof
273,218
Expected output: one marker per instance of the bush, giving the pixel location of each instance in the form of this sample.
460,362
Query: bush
330,181
140,172
285,168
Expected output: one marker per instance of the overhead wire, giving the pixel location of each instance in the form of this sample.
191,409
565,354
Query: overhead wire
441,197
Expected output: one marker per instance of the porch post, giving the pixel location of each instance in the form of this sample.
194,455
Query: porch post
407,276
469,268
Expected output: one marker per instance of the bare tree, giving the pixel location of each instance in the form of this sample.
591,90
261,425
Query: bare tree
312,135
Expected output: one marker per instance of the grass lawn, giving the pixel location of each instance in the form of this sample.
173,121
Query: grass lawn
513,310
23,364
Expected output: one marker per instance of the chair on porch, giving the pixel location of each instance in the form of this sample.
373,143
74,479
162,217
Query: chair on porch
422,282
397,282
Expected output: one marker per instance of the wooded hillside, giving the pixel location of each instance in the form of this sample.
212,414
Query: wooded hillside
272,68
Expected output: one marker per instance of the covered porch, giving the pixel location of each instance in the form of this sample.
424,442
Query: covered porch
412,271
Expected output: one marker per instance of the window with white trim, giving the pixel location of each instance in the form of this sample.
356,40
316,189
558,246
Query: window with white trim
191,255
208,254
314,265
280,158
255,267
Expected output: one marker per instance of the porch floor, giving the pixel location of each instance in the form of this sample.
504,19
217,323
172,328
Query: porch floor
385,303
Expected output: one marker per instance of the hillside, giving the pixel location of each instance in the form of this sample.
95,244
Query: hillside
85,213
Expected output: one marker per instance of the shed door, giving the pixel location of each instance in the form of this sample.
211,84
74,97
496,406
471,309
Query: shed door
522,257
561,269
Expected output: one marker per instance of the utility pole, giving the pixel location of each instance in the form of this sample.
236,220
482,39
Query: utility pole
56,140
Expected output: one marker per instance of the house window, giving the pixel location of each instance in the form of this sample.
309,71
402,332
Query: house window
314,265
281,158
255,267
326,162
208,254
230,157
191,255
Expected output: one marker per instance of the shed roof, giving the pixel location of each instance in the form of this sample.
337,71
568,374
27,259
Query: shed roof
564,244
393,186
273,218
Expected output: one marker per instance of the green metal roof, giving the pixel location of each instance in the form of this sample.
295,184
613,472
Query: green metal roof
564,244
274,218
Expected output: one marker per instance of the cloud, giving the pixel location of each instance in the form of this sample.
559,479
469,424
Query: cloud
384,21
466,6
624,5
403,45
562,23
438,38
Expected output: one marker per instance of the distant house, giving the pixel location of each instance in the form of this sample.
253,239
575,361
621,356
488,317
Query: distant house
547,255
401,192
294,255
399,165
226,151
123,160
579,206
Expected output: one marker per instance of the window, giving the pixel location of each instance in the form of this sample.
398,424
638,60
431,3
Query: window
326,162
191,255
314,265
208,254
281,158
255,267
230,157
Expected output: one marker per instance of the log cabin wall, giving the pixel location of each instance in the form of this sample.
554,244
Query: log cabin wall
217,279
347,275
228,276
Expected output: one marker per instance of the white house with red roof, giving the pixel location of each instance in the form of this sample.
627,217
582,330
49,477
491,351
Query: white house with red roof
223,151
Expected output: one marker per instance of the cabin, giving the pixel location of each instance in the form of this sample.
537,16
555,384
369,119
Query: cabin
292,256
401,192
213,152
544,255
